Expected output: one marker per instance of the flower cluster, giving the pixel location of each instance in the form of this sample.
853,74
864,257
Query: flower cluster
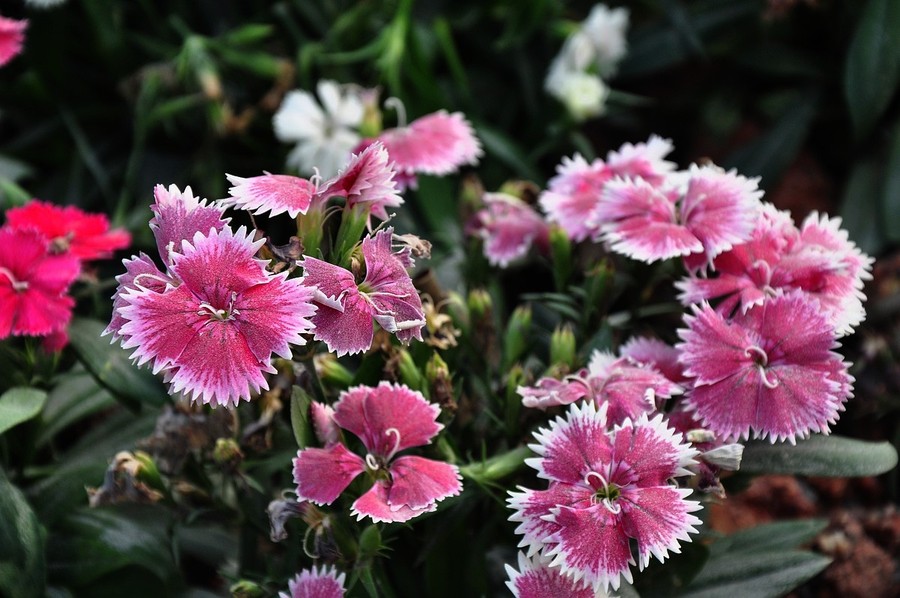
42,249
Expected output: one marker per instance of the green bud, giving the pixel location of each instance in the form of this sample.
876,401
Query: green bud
246,589
408,371
353,224
561,253
227,453
515,341
147,471
562,348
480,305
369,542
309,230
498,467
513,400
331,371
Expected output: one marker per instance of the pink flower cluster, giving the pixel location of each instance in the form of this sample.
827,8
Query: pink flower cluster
42,248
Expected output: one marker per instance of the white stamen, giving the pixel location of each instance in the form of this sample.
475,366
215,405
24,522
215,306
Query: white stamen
397,105
371,462
17,285
757,354
396,433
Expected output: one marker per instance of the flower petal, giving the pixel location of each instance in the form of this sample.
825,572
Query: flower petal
316,583
417,482
374,504
273,193
178,215
321,474
658,518
274,314
536,579
437,143
573,447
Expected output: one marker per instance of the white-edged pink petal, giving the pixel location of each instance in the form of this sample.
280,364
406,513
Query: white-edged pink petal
322,416
573,447
373,504
532,510
550,392
437,144
178,216
140,272
627,387
273,193
396,303
417,482
324,582
658,518
573,194
536,579
508,226
321,474
642,160
368,179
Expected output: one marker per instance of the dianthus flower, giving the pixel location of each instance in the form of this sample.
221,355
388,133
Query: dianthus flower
33,284
509,227
12,37
386,294
537,579
769,371
628,387
366,179
573,194
387,419
715,211
325,135
324,582
608,488
70,230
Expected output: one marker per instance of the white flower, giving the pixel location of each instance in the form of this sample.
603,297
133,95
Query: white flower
43,3
583,94
605,28
325,138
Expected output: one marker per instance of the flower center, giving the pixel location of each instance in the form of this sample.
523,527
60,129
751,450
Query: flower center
605,493
19,286
379,462
761,359
219,315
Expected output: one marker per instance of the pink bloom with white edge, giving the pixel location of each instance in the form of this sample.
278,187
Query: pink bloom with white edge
509,227
608,488
367,178
770,372
573,194
324,582
437,144
214,333
178,215
12,37
386,295
388,418
715,211
656,353
535,578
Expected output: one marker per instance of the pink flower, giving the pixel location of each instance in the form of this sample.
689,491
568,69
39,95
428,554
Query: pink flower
140,273
655,353
316,583
326,430
819,259
386,294
367,178
178,215
215,331
537,579
628,388
33,284
716,211
387,419
573,194
12,37
608,489
86,236
437,144
770,371
508,226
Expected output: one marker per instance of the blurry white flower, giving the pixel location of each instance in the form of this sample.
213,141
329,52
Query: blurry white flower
605,29
43,3
583,94
325,138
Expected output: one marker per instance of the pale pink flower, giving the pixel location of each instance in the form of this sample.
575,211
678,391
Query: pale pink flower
537,579
550,392
508,227
387,419
12,37
367,179
215,332
715,211
769,371
326,430
574,193
324,582
386,294
608,488
178,215
33,284
655,353
273,193
437,143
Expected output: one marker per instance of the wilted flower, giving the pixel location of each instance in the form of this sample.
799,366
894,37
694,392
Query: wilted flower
537,579
770,371
325,135
387,419
386,294
12,37
508,226
324,582
608,488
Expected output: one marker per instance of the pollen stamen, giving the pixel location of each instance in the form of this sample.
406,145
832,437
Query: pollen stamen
395,432
17,285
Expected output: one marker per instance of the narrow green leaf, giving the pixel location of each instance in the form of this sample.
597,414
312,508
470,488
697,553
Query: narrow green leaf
75,396
22,567
873,64
300,423
831,456
859,207
755,575
890,195
111,366
18,405
771,537
504,149
248,34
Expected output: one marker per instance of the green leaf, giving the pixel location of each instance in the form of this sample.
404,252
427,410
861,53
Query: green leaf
754,575
300,423
18,405
500,146
22,567
890,195
831,456
111,366
859,208
91,543
873,64
771,537
75,396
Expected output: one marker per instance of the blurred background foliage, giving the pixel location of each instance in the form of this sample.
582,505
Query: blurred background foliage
111,98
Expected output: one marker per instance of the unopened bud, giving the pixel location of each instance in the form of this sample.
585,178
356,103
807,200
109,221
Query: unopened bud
246,589
331,371
369,542
480,305
518,329
408,372
562,348
227,453
561,254
727,456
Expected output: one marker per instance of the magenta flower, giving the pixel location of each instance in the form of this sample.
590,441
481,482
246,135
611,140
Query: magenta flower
573,194
655,353
324,582
12,37
33,284
387,419
770,371
214,332
608,489
716,211
509,227
437,144
344,320
367,178
537,579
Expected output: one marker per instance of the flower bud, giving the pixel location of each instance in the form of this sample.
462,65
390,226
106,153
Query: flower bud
331,371
408,372
246,589
480,305
561,253
562,348
518,329
227,454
